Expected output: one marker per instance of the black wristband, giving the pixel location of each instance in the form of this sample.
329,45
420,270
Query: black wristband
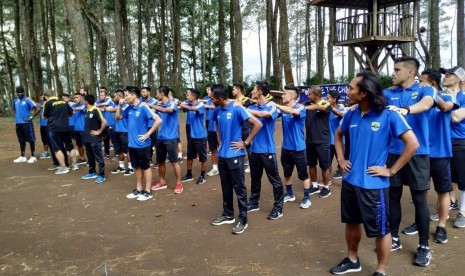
408,108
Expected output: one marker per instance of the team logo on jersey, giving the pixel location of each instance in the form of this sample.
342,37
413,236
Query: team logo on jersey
91,115
228,115
137,113
375,126
414,95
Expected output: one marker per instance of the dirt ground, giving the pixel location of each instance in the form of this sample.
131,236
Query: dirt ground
62,225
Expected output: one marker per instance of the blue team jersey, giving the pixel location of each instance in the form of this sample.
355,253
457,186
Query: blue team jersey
211,114
79,116
22,108
334,122
72,119
418,122
42,121
264,140
230,120
370,136
169,128
109,116
293,129
440,143
195,119
150,100
137,117
121,125
458,129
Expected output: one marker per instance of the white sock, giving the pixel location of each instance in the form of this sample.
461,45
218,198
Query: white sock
215,167
315,184
462,201
327,186
179,154
121,164
129,165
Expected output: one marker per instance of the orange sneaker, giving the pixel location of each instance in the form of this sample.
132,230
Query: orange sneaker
159,186
178,188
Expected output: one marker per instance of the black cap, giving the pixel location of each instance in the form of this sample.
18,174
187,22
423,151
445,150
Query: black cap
19,89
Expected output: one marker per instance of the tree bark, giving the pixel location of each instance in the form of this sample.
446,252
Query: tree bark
461,33
11,85
139,44
330,48
150,37
50,8
193,44
162,45
320,45
36,70
434,34
221,40
177,69
269,28
46,42
203,56
236,41
284,43
127,42
274,48
308,41
18,46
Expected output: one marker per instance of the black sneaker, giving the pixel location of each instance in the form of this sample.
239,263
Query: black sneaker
252,207
118,170
378,274
201,180
346,266
423,256
410,230
441,235
275,214
325,192
314,190
80,161
396,245
337,175
180,160
239,228
187,178
223,220
454,205
129,172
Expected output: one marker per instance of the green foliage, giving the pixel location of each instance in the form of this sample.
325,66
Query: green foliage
386,81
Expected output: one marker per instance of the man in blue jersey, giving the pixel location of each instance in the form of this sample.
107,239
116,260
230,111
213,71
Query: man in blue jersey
293,147
167,140
230,118
22,106
79,109
212,136
197,143
365,187
151,102
452,79
263,152
335,117
138,116
413,101
103,102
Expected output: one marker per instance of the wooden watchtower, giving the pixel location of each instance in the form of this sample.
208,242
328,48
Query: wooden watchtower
377,29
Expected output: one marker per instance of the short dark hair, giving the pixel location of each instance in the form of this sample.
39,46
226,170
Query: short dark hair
146,87
65,95
291,87
133,90
264,87
411,61
20,89
371,85
433,75
164,89
219,91
86,89
119,90
89,98
194,92
76,94
239,85
316,89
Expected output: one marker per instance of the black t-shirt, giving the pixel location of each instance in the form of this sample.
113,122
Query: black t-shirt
57,112
317,124
92,121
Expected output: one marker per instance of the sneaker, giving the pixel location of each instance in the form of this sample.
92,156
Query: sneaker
454,205
44,155
223,220
441,235
337,175
178,189
129,171
423,256
378,274
305,204
118,170
144,195
74,167
459,221
346,266
275,214
187,178
106,156
209,152
247,169
435,217
289,198
201,180
239,228
252,208
159,186
53,168
81,161
114,159
134,194
325,192
155,166
396,245
62,170
89,176
100,179
314,190
180,160
20,159
213,172
410,230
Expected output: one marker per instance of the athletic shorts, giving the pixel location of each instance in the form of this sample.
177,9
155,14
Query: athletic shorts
457,163
291,158
167,148
415,174
212,138
440,173
197,147
25,133
318,154
60,141
120,143
367,206
78,138
140,157
72,132
44,135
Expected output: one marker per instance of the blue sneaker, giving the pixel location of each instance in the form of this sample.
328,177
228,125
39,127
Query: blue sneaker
100,179
89,176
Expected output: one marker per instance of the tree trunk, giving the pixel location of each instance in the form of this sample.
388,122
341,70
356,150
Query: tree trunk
269,27
46,42
434,34
308,41
150,51
203,56
330,48
162,45
127,42
193,44
284,43
139,44
350,59
461,33
320,45
221,39
90,35
36,70
260,44
177,66
11,85
50,8
18,46
274,48
236,41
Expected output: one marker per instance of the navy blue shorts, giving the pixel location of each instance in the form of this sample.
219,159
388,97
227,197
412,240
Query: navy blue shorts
212,138
415,174
167,148
44,135
440,173
25,133
60,141
140,157
197,147
457,163
291,158
120,143
318,154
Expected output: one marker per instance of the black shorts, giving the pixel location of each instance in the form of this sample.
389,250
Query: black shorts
318,154
44,135
25,133
188,133
72,132
78,137
457,163
120,143
440,173
415,174
140,157
367,206
60,141
212,138
291,158
197,147
167,148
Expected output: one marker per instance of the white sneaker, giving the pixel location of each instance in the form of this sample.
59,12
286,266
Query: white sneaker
20,159
62,170
75,167
247,170
435,217
213,172
32,160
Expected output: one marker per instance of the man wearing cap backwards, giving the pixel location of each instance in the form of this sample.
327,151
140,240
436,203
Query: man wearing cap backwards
24,128
413,101
452,79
